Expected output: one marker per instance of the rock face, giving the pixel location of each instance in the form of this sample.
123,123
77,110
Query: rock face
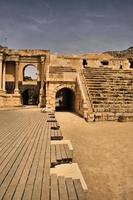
127,53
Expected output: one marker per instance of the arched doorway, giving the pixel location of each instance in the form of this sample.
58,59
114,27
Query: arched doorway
65,100
30,86
30,96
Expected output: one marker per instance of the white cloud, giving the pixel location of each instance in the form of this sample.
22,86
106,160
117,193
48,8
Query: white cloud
44,21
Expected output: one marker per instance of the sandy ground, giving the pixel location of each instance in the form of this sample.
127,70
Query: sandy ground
104,152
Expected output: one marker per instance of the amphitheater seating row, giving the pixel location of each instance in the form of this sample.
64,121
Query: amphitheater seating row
109,90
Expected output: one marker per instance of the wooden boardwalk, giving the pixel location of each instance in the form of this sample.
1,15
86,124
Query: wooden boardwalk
24,155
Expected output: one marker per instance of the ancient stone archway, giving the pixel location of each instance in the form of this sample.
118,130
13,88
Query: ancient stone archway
52,90
30,86
65,100
30,73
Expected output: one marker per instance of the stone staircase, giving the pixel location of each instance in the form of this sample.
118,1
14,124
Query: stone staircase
110,92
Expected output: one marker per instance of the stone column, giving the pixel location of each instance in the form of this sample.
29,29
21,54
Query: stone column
42,81
42,72
16,77
1,73
4,74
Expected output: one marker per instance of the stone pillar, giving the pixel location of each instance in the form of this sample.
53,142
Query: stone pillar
42,81
46,79
4,74
42,72
1,60
16,95
16,77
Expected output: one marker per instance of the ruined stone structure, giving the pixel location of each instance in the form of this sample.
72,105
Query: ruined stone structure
95,86
13,83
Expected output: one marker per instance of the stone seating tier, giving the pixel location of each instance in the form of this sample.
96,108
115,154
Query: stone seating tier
109,90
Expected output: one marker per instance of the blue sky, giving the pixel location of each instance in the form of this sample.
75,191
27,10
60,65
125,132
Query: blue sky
67,26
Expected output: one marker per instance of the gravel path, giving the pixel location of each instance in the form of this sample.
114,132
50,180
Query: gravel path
104,152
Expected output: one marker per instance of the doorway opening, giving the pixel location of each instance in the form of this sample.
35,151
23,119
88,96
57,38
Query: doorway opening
30,96
65,100
105,62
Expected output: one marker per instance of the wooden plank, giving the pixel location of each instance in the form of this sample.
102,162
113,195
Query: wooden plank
34,154
56,133
79,190
68,152
54,188
33,167
63,153
59,133
18,175
46,172
51,120
58,152
7,133
54,127
10,160
52,117
62,188
9,151
53,155
14,163
39,174
71,189
52,132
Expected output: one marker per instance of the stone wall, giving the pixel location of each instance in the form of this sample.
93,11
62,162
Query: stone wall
79,101
74,61
10,100
93,60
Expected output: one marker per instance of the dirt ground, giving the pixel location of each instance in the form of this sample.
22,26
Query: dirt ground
104,152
